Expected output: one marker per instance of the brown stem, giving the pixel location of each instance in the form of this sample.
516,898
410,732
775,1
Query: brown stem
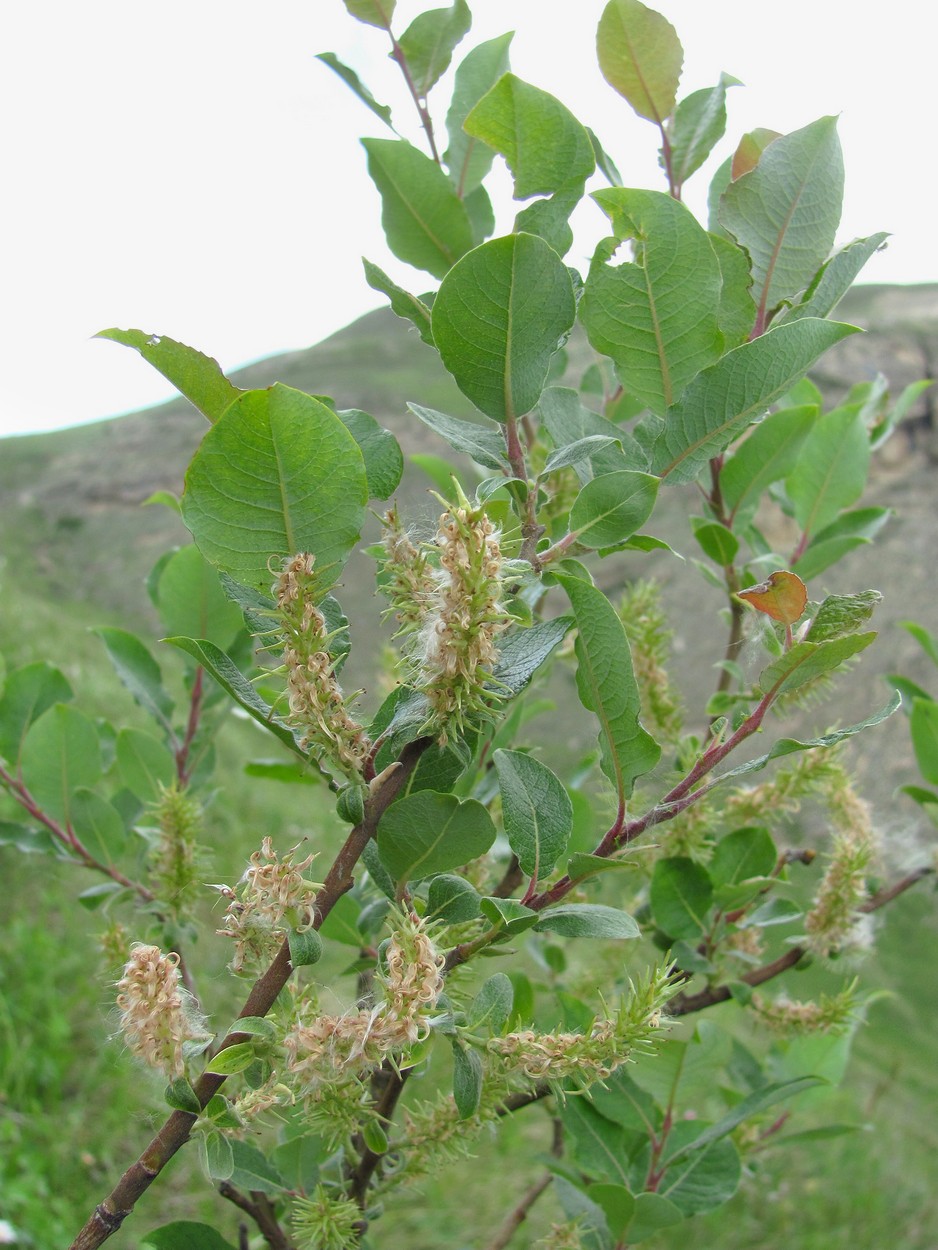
183,772
531,531
111,1213
519,1214
259,1208
369,1162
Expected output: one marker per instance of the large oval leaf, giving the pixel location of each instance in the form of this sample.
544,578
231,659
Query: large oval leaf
278,474
786,210
498,317
425,221
60,752
607,686
427,833
724,399
640,56
655,316
536,809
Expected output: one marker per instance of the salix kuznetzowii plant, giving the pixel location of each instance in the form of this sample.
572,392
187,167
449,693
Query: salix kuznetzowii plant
461,840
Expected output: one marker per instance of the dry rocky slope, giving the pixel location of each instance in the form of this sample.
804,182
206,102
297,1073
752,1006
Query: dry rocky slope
65,497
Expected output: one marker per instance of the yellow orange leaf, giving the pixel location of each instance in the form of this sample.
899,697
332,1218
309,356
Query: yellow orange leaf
782,596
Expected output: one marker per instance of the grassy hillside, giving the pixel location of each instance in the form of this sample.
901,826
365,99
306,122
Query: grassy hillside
76,547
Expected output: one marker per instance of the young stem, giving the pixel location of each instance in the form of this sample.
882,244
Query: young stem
397,54
111,1213
183,771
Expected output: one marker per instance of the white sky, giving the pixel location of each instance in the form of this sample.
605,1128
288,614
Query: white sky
186,167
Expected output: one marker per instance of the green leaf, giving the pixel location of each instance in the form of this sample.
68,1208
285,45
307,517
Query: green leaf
305,947
467,1079
544,145
29,692
592,920
807,660
298,1160
485,444
186,1235
60,753
717,542
255,1026
498,318
253,1171
600,1147
618,1206
511,914
767,1096
743,855
737,311
428,42
582,864
851,529
775,911
230,678
425,221
522,651
681,894
467,159
923,726
787,746
611,508
217,1158
578,452
607,686
766,455
138,671
536,810
842,614
452,900
384,461
652,1214
585,1215
426,833
352,80
549,218
277,475
492,1006
699,124
232,1059
341,925
786,210
655,316
180,1095
191,600
30,841
724,399
372,12
146,765
640,56
567,421
197,377
926,640
831,470
835,278
703,1180
403,304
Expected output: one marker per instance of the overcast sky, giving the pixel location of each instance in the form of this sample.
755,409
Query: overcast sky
187,168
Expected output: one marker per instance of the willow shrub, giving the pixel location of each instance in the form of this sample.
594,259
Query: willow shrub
626,893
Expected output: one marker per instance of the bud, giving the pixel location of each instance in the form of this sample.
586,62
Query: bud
326,1223
157,1014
